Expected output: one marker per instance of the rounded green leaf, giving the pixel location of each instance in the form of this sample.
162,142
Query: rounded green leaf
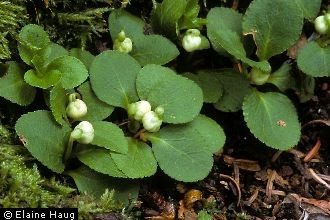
165,17
210,84
279,28
25,53
44,139
99,160
113,75
13,87
314,60
210,131
272,118
224,32
96,109
31,39
309,9
73,71
83,55
235,88
45,81
153,49
33,36
58,100
181,153
122,20
87,180
110,136
46,55
180,97
139,161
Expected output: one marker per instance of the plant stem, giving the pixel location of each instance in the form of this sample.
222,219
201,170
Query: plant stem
69,148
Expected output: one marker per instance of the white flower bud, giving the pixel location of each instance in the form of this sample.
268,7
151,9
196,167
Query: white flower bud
83,132
192,40
131,109
151,122
123,43
76,109
159,111
142,107
321,25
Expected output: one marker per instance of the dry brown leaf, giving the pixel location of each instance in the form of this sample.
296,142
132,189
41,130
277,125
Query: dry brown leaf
191,197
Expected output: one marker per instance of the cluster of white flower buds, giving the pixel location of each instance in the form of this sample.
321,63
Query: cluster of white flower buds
123,43
76,109
192,40
141,111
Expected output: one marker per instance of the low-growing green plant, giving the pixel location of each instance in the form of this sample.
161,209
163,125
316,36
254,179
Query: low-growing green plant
162,125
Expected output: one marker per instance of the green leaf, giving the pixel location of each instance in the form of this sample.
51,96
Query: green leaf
89,181
73,71
97,110
314,60
184,152
166,16
58,101
272,118
203,215
309,9
279,28
153,49
190,17
113,75
83,55
33,37
139,161
282,77
46,55
210,131
13,87
235,88
99,160
26,54
210,84
45,140
110,136
43,81
180,97
224,33
122,20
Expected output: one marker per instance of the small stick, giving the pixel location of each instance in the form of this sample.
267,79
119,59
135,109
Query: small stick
252,198
318,179
313,151
236,185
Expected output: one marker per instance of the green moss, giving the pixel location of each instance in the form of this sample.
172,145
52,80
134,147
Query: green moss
24,186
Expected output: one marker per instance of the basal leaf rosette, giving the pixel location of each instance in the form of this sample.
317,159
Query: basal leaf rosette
180,97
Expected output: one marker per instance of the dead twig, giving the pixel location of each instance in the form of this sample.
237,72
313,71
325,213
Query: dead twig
315,149
239,194
252,198
249,165
318,179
